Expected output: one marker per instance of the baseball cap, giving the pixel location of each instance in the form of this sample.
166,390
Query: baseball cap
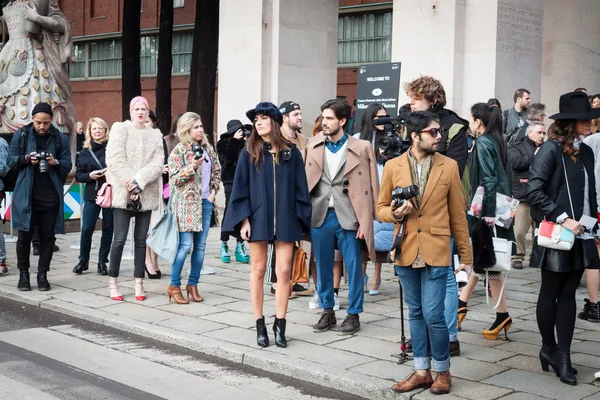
288,106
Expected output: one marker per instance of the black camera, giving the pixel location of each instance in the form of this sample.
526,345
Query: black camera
400,195
392,144
198,151
133,205
43,162
247,130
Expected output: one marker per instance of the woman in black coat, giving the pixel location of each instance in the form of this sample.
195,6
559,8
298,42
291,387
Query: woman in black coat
269,203
91,167
555,200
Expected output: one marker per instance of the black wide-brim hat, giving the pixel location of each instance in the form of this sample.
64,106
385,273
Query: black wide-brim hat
233,126
265,108
576,105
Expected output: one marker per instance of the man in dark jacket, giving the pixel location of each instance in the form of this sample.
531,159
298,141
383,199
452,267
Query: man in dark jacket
428,94
229,148
520,154
38,194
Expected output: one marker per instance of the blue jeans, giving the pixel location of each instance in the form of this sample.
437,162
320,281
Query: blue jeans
324,240
451,301
2,247
424,292
91,212
198,241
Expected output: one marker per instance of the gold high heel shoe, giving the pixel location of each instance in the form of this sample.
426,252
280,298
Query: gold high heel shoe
462,314
490,334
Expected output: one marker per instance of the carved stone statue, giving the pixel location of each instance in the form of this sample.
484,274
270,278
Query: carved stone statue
33,65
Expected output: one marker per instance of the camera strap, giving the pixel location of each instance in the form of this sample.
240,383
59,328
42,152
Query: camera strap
396,249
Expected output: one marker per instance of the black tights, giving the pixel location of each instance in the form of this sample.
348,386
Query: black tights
556,307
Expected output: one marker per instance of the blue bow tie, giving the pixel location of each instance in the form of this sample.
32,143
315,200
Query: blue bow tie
334,147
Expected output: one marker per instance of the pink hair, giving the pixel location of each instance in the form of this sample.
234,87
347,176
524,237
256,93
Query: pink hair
138,99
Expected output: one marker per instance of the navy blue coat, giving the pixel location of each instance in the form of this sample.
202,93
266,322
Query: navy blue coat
21,202
253,196
87,164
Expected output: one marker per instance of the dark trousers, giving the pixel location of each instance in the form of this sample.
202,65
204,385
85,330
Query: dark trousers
44,218
556,307
121,220
91,212
225,235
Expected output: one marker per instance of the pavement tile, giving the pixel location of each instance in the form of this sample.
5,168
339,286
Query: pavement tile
192,309
190,324
138,312
245,337
367,346
83,298
464,389
389,370
520,348
233,318
542,384
333,358
483,353
474,370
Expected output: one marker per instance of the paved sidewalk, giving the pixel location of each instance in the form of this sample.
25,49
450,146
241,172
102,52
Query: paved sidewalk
223,326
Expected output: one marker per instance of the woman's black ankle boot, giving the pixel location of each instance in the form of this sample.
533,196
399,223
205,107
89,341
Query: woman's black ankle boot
565,370
279,330
262,338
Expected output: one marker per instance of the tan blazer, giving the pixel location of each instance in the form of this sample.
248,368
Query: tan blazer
442,212
361,173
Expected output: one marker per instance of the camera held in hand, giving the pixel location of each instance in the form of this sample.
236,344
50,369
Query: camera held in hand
198,151
133,205
400,195
42,157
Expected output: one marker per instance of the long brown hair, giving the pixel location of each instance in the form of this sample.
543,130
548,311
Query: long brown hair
256,144
318,128
563,131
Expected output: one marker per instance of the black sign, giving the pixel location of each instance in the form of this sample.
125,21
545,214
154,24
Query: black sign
377,83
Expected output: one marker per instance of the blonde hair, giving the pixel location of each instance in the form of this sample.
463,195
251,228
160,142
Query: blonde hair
184,126
88,132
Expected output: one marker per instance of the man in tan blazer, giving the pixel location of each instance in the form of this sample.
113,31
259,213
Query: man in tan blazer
342,179
423,253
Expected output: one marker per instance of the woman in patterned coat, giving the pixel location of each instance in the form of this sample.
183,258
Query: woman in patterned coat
194,178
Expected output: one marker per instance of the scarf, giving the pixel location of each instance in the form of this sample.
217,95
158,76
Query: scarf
419,179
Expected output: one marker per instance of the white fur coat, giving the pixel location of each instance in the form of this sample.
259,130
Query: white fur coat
138,154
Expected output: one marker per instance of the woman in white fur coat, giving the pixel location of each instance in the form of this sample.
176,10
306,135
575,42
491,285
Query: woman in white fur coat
135,165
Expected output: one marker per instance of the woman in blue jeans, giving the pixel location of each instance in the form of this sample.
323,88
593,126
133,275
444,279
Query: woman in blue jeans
195,178
91,169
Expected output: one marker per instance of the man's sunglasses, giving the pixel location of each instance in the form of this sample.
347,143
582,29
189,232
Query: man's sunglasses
434,132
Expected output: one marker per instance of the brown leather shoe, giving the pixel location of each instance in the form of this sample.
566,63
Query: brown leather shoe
414,381
193,290
441,384
174,293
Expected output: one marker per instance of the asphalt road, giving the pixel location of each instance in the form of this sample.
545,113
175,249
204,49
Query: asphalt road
48,356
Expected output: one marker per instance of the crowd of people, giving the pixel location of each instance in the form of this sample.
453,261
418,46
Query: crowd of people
348,196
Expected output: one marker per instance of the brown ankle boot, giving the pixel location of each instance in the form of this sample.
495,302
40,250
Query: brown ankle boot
175,293
193,290
441,384
414,381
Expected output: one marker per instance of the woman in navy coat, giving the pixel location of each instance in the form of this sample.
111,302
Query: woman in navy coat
269,203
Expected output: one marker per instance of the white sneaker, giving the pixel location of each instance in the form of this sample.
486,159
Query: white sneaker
336,302
314,302
208,270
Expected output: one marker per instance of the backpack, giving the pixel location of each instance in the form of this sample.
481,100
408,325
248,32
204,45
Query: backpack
10,180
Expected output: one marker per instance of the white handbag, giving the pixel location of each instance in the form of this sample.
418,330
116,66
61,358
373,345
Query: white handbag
503,252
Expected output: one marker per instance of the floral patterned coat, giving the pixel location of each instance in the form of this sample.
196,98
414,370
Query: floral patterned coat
186,185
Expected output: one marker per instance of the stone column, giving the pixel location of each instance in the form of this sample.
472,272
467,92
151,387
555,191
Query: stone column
276,50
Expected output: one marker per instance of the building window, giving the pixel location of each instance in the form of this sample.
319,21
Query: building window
105,58
177,3
102,58
182,51
364,38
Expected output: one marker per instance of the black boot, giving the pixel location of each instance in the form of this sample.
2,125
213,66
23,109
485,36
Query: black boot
24,284
548,359
262,338
80,267
279,330
565,370
591,311
42,280
102,270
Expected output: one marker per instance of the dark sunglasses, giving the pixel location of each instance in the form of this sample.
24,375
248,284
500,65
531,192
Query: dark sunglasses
434,132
